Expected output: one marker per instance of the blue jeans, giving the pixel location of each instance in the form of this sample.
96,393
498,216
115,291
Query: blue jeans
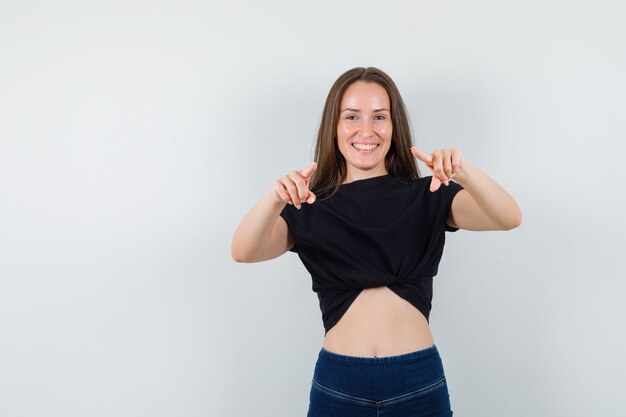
408,385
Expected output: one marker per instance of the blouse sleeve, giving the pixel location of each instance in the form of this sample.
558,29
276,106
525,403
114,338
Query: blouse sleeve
288,217
448,193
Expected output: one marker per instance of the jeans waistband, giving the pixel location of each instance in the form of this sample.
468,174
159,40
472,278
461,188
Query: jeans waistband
384,377
416,355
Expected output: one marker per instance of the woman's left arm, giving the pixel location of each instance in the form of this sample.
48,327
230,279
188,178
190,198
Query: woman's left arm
482,204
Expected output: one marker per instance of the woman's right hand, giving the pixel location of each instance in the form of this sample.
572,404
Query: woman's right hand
293,188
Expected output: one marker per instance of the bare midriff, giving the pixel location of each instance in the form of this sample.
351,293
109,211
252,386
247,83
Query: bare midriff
379,323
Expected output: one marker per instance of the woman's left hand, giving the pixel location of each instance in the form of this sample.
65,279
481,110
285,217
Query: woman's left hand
445,164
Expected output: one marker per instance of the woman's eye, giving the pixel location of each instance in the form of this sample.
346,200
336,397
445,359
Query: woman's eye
351,117
380,117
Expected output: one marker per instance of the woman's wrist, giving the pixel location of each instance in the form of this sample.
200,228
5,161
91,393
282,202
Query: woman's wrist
466,174
276,200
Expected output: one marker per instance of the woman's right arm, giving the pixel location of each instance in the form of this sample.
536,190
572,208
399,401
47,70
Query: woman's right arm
262,234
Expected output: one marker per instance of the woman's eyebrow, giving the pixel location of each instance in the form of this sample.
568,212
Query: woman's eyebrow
357,110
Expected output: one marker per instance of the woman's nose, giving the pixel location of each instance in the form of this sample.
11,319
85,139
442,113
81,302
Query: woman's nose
366,130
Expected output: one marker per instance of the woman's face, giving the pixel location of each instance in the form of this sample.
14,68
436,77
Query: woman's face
364,122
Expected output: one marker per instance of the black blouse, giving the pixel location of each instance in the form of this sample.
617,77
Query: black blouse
379,231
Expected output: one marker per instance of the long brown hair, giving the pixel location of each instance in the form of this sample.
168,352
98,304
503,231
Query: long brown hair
331,165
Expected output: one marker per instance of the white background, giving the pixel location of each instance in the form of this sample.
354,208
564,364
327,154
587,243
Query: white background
135,135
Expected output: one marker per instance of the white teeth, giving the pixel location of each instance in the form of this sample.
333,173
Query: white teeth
364,147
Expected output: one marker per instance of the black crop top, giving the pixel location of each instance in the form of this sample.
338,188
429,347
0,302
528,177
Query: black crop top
379,231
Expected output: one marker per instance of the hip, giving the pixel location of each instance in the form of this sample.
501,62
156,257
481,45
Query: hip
410,384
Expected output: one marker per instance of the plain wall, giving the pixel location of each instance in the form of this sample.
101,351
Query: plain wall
135,135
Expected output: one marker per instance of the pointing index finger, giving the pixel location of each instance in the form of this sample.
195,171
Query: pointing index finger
309,170
422,156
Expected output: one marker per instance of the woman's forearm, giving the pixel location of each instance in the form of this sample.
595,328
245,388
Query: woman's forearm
493,200
256,227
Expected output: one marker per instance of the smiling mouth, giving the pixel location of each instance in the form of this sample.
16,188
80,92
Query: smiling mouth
362,148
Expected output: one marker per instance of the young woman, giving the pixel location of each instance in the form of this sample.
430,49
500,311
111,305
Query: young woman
372,234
